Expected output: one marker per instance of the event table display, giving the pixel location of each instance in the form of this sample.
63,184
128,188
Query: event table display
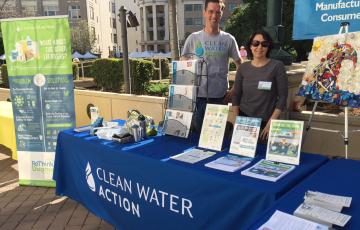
338,177
138,185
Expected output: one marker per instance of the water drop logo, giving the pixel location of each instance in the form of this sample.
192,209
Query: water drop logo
89,177
199,50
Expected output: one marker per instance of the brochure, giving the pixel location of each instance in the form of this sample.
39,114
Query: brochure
328,201
229,163
193,155
182,97
213,127
321,215
185,72
283,221
245,136
284,142
268,170
177,123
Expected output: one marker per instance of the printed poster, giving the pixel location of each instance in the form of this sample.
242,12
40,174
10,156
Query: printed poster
213,127
245,136
284,143
177,123
332,74
38,56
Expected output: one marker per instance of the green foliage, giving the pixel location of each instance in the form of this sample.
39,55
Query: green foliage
141,72
252,16
108,74
158,89
164,68
75,70
4,76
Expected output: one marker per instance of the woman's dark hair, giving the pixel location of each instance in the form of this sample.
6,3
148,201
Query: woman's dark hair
266,36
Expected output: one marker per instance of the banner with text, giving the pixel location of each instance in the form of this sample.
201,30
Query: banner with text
313,18
38,57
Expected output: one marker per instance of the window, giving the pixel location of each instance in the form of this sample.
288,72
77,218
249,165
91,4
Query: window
93,32
113,8
198,21
50,10
115,38
91,12
188,7
74,12
114,23
197,7
188,21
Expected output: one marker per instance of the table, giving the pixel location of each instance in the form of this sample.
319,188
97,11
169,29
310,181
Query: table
7,130
137,186
339,177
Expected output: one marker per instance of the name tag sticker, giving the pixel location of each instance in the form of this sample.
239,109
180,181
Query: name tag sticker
264,85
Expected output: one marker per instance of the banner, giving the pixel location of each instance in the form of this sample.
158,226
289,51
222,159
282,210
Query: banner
38,57
313,18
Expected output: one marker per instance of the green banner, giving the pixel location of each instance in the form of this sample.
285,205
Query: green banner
38,57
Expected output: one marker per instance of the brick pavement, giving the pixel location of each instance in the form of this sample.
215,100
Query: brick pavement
25,207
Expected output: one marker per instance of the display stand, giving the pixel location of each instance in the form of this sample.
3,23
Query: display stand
344,28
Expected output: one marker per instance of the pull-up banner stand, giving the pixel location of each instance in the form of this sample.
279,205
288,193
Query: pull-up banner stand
313,18
38,57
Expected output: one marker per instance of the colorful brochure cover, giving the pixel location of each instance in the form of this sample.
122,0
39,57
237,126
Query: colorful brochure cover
229,163
193,155
284,142
245,136
268,170
177,123
182,97
213,128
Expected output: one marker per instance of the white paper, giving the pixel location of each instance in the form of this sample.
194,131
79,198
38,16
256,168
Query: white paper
185,72
213,127
268,170
94,114
193,155
245,136
284,143
321,215
343,201
229,163
283,221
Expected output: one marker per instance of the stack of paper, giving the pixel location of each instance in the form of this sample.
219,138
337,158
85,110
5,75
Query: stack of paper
283,221
185,72
229,163
177,123
193,155
182,97
268,170
324,208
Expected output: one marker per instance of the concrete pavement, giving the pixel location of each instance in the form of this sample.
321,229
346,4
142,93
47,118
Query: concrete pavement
25,207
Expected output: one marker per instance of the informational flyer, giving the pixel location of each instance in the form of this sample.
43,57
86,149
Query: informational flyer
177,123
213,127
284,143
229,163
193,155
38,57
182,97
245,136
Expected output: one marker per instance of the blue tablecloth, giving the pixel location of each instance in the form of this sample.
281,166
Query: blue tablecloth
137,186
339,177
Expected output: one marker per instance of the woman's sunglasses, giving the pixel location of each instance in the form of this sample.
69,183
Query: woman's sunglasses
256,43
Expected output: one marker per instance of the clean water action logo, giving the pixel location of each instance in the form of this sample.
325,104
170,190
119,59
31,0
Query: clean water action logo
89,178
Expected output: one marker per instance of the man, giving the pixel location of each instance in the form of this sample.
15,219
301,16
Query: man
215,47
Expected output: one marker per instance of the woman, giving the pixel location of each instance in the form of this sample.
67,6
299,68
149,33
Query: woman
261,87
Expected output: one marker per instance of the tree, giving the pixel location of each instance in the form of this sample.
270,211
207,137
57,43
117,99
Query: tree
252,16
82,40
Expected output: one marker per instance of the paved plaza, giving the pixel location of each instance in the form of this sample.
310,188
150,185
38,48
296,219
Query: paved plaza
25,207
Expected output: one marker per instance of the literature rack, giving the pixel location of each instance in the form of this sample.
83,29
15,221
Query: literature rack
344,29
181,102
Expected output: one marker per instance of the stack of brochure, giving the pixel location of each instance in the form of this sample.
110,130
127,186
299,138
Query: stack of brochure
193,155
268,170
324,208
283,221
229,163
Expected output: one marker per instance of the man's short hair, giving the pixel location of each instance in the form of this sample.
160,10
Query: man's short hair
222,4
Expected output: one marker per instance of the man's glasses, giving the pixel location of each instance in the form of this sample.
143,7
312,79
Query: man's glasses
256,43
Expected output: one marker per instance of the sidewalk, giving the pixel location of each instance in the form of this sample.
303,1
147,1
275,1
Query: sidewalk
25,207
